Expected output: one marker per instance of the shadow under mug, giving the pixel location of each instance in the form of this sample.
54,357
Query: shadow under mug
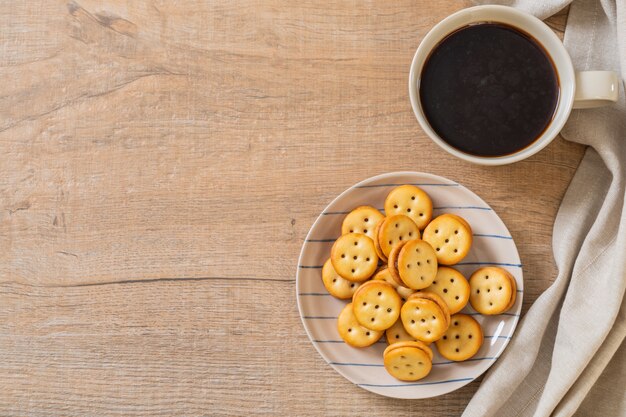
578,90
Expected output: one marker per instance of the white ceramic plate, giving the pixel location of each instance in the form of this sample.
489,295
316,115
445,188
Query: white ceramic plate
492,245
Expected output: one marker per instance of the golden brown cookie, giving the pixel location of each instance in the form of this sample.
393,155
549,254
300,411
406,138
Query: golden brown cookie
423,318
362,220
376,305
407,361
492,290
396,333
335,284
462,340
379,251
396,229
354,257
352,332
417,264
451,237
452,286
410,201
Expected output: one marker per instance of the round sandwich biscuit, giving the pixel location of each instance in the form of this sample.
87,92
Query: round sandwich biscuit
354,257
376,305
492,290
462,340
352,332
417,264
424,318
396,229
452,287
362,220
410,201
451,237
335,284
407,362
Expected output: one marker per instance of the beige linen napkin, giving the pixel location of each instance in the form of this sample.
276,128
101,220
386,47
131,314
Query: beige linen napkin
568,356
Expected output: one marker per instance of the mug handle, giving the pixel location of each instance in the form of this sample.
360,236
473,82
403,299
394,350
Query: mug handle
596,89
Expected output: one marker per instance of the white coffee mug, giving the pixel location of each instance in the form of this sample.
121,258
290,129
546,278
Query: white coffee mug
577,90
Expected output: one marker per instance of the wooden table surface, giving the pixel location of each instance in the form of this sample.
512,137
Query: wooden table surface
161,165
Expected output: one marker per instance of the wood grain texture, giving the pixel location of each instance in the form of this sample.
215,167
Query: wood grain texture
161,165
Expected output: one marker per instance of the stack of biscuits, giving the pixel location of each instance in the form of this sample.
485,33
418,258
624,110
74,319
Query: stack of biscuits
415,296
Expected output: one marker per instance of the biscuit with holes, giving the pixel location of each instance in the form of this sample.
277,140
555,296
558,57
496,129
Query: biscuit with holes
335,284
452,286
424,318
407,363
417,264
354,257
411,201
492,290
451,237
362,220
379,251
462,340
376,305
352,332
396,229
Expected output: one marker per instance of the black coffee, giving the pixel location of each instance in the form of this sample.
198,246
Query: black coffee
489,89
